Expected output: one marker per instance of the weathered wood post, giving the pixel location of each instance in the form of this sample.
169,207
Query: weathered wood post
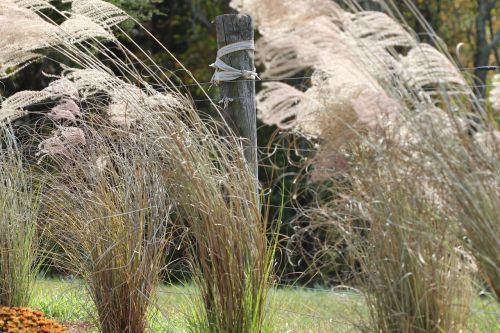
237,81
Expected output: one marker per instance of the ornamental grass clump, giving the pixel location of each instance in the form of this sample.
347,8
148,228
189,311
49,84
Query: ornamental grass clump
19,238
214,193
108,211
410,265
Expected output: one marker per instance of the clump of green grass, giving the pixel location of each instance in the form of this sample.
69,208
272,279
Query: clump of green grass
19,241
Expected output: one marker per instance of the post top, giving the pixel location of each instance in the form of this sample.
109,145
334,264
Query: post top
233,28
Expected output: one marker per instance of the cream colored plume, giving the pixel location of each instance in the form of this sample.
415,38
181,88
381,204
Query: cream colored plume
63,87
281,58
130,104
127,103
100,12
283,105
321,40
279,104
289,50
13,62
495,93
269,15
424,66
348,52
91,81
22,32
31,4
78,28
379,28
13,107
75,84
353,55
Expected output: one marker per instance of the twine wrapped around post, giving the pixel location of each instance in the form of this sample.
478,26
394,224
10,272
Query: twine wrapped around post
236,75
224,72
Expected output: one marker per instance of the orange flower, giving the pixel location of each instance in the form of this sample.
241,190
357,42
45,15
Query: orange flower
25,320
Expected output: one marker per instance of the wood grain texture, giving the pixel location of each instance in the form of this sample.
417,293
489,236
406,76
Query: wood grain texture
240,114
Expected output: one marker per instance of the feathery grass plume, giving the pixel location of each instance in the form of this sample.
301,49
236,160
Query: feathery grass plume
78,28
311,45
425,66
380,28
13,106
275,110
354,53
495,93
269,16
32,4
21,47
27,33
19,238
17,46
100,12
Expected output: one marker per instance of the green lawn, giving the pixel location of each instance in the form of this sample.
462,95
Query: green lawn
291,309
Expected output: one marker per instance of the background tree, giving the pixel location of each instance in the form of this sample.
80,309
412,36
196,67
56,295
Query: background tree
487,39
473,23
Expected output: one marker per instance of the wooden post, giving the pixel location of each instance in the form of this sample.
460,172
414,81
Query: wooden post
239,111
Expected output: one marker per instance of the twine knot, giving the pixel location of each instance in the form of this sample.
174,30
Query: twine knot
224,72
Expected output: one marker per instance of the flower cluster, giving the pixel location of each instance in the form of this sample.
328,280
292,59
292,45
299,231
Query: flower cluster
25,320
